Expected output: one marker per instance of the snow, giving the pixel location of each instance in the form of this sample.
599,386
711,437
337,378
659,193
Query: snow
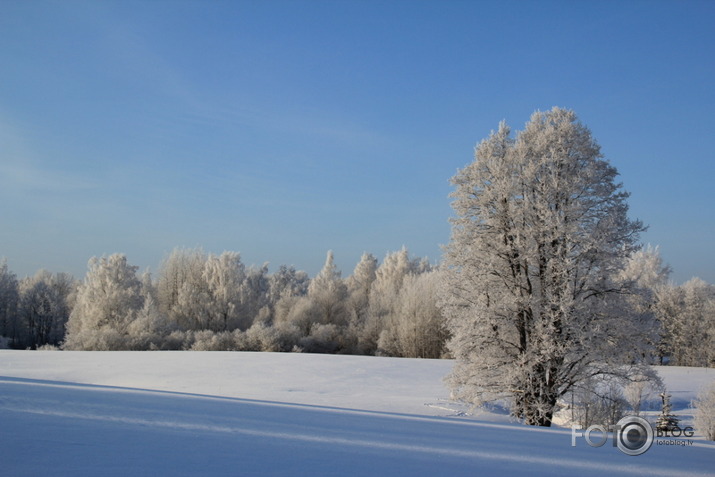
234,413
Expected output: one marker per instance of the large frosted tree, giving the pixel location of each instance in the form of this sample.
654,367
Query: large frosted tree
532,299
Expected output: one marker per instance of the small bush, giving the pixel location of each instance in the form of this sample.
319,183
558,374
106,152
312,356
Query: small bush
598,402
322,339
641,390
207,340
48,347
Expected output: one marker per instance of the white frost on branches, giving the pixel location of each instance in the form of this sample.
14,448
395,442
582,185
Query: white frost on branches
532,297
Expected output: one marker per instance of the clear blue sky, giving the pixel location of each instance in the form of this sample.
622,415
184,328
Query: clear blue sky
284,129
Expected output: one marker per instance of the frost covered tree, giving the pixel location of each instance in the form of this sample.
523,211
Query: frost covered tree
639,391
645,267
45,307
685,314
9,297
358,300
108,301
384,291
415,329
148,331
321,316
197,291
531,298
255,296
220,293
687,317
698,319
645,279
704,413
286,288
287,282
359,284
180,276
667,421
328,294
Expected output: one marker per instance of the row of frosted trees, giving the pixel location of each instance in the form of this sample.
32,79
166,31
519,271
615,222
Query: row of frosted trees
215,302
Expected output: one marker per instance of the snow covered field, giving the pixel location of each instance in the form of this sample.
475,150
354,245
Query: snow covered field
230,413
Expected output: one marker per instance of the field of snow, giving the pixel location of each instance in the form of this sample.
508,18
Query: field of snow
229,413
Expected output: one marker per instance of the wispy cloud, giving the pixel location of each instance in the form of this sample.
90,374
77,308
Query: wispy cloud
22,169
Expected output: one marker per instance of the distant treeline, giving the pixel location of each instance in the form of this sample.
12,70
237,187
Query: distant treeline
201,301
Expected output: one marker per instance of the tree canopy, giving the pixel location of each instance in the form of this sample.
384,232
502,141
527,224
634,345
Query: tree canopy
532,298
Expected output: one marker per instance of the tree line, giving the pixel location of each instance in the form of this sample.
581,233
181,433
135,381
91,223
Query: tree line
203,301
214,302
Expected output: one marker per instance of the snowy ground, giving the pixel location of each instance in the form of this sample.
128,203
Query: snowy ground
215,413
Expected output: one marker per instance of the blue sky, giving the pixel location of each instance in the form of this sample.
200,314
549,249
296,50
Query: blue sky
285,129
